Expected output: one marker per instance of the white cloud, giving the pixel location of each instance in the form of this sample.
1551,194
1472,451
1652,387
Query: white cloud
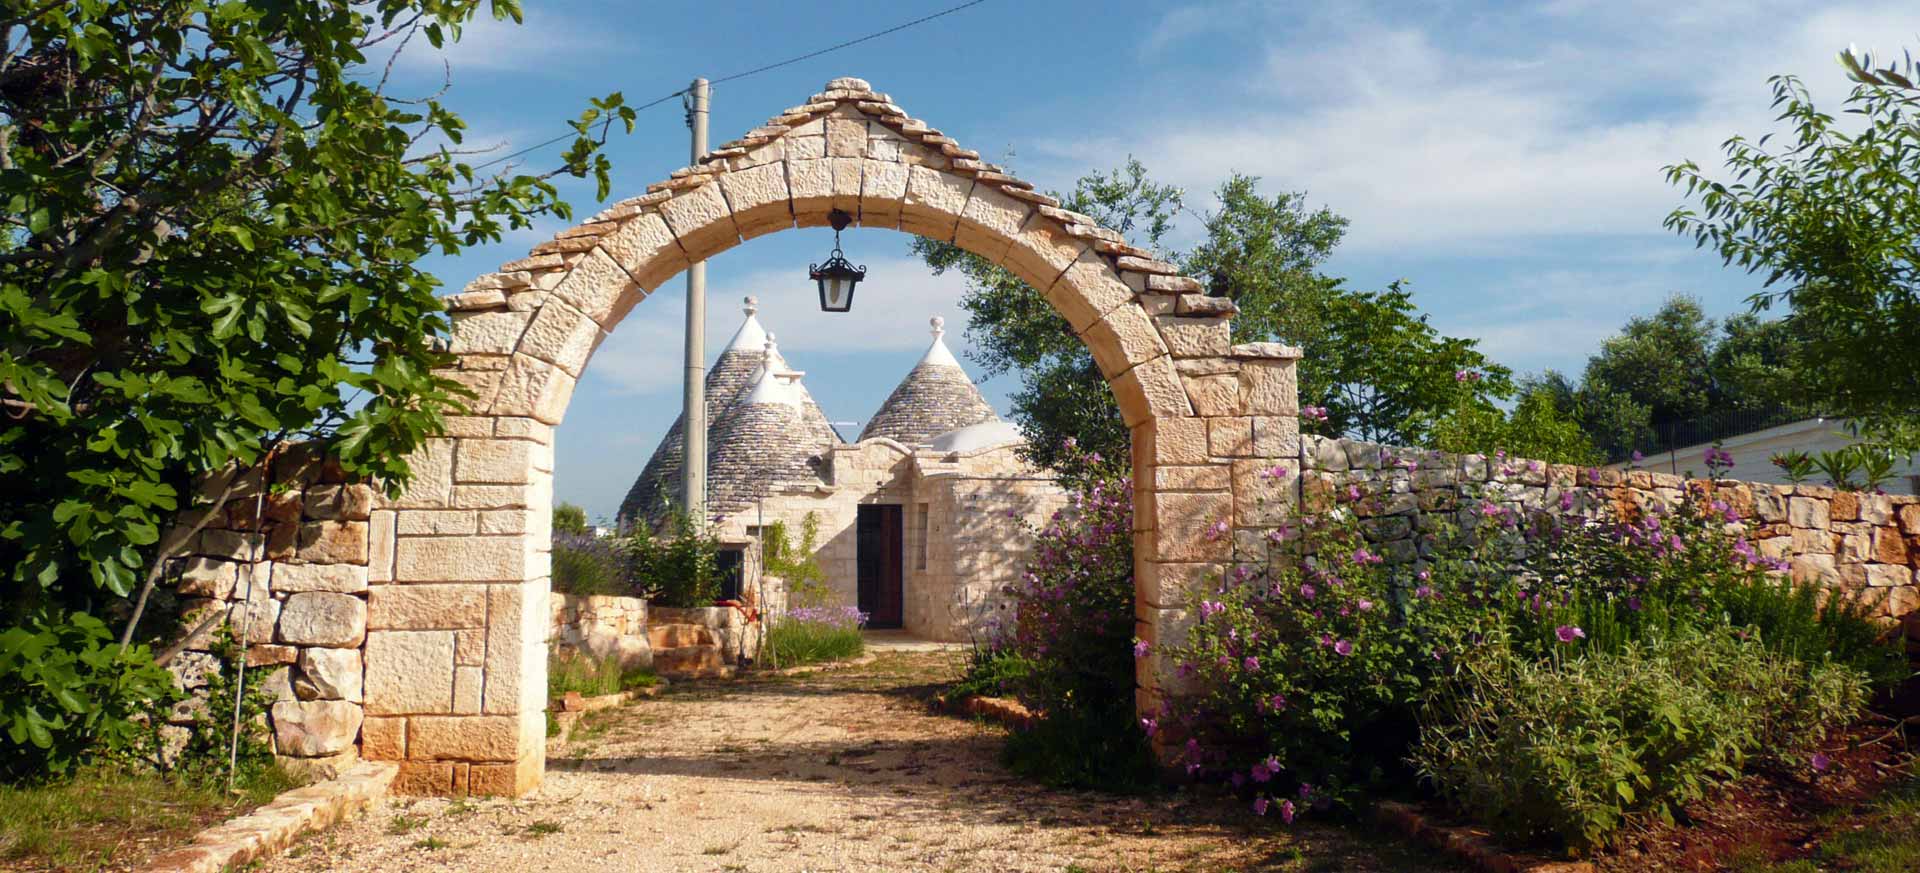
890,314
1442,137
542,40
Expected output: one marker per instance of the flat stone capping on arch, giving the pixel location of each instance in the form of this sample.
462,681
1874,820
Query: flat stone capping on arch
458,645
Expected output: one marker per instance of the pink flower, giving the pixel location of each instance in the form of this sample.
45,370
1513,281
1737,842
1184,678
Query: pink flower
1306,591
1217,530
1260,806
1313,413
1141,648
1820,762
1568,633
1211,608
1277,471
1353,492
1364,605
1150,726
1362,556
1277,702
1251,664
1286,811
1343,648
1423,592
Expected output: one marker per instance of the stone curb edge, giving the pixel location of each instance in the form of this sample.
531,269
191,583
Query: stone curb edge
1467,844
856,661
269,830
568,709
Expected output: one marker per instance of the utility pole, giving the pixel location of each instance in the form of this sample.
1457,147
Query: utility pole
693,468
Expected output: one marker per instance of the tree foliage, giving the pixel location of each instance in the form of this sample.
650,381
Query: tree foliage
1830,215
1377,366
215,213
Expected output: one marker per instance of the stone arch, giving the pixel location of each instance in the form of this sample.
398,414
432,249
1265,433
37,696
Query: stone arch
458,617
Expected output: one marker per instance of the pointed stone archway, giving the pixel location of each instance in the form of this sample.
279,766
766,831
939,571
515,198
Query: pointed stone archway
458,614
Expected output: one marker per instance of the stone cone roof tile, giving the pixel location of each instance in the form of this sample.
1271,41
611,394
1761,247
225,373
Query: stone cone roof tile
729,380
934,398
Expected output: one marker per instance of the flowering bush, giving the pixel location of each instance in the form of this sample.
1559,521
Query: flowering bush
586,564
1067,652
810,634
1316,658
1314,661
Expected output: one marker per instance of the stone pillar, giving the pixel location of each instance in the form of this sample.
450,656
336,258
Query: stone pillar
457,627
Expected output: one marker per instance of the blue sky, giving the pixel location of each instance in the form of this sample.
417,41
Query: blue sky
1504,158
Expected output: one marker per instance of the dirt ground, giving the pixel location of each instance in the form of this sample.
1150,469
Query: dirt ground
835,770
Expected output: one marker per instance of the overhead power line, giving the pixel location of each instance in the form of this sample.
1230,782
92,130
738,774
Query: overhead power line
753,72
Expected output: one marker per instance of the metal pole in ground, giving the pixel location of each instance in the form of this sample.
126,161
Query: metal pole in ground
693,469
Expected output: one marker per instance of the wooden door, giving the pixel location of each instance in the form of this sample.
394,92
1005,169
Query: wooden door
881,556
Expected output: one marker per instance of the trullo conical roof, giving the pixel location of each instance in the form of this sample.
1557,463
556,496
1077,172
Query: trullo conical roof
934,398
731,377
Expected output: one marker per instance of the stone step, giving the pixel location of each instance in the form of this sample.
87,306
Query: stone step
690,662
668,636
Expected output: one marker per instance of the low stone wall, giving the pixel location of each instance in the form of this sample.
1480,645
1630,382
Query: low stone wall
600,627
1866,545
738,638
290,573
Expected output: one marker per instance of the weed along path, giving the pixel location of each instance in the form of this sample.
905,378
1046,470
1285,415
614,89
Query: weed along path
834,770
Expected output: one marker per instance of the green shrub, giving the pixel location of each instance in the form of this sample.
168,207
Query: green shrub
992,672
588,565
679,569
211,740
69,694
1574,746
797,564
568,670
812,634
1084,747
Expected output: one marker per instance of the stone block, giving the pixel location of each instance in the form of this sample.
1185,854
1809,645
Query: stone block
333,542
427,607
1189,527
467,684
1214,395
497,462
424,777
1260,499
436,522
1195,337
701,221
1230,437
1808,512
432,484
562,336
1043,252
1171,586
1207,477
463,738
322,618
1088,290
1888,576
210,577
1276,436
1151,390
353,502
337,578
1269,387
934,203
883,188
383,739
461,559
409,672
312,728
516,677
1122,338
487,333
334,674
508,780
759,199
644,248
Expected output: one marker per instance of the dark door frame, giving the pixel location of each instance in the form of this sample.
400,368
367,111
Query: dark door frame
880,564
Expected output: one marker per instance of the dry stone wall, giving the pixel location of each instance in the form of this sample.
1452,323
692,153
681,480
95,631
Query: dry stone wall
1863,545
284,562
601,627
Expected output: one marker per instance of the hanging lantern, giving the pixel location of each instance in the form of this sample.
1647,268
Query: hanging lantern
837,276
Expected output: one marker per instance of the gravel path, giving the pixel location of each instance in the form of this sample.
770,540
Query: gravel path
836,770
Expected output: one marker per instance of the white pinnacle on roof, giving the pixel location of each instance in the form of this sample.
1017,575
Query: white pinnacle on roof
937,354
751,337
776,383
